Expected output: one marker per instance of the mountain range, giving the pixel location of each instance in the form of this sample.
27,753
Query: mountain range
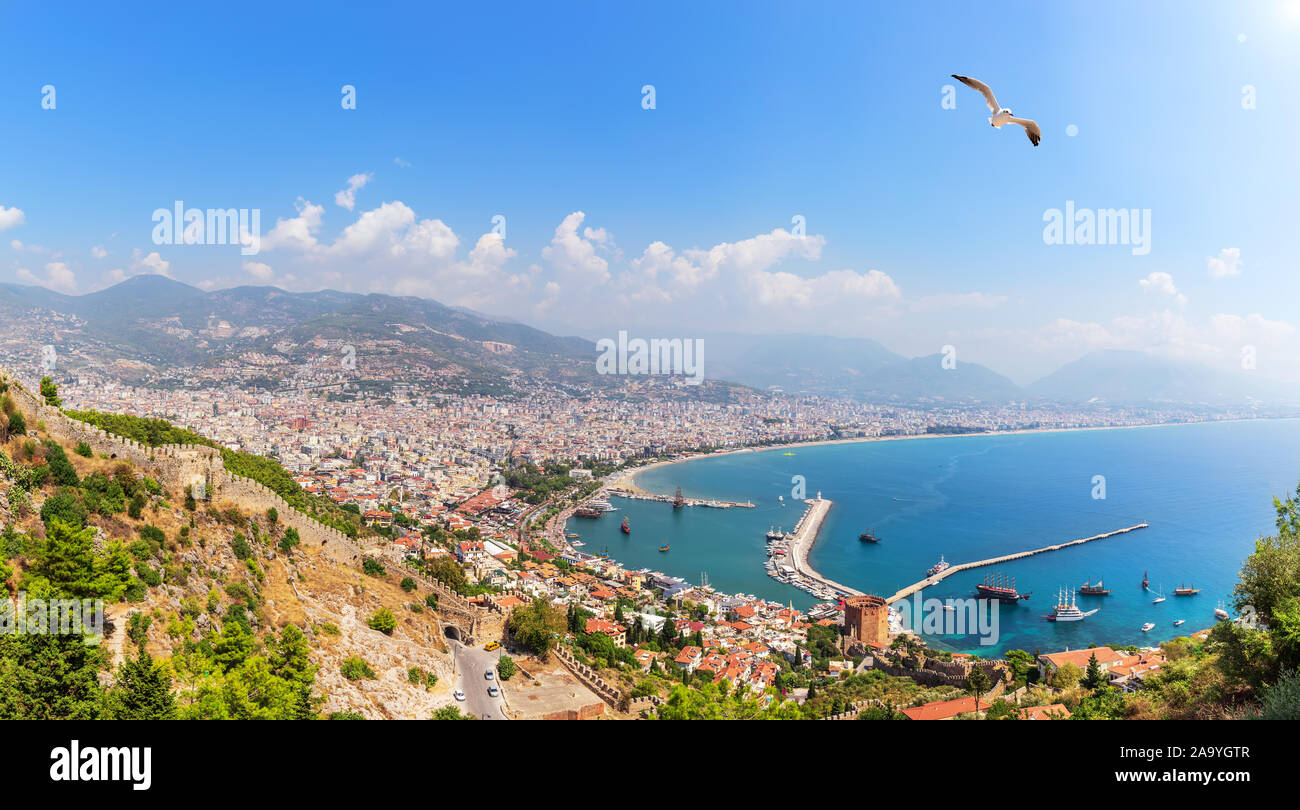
155,323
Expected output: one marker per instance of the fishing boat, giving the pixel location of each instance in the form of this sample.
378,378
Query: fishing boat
664,547
626,528
1220,613
1066,610
868,537
938,567
1146,628
1146,583
1088,589
774,534
1159,598
1180,621
1186,590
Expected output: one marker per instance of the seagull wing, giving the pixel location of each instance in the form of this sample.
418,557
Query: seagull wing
984,89
1031,129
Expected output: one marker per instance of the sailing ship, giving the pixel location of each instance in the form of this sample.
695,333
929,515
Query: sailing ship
1146,583
1066,610
678,500
938,567
626,528
1159,598
1088,589
868,537
1186,590
998,587
587,512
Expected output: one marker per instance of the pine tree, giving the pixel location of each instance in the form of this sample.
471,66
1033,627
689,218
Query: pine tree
142,692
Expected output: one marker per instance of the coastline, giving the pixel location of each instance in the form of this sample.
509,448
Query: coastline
805,540
627,479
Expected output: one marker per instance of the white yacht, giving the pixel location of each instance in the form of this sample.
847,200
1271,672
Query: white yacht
1146,628
1066,610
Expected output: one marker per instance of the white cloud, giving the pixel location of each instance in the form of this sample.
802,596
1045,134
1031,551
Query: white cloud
150,263
11,217
402,163
98,252
58,277
574,257
260,271
347,198
296,233
1162,284
1228,263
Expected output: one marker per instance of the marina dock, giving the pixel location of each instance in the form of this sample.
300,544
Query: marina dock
642,496
933,580
799,542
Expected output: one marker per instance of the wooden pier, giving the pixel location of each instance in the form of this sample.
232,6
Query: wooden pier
933,580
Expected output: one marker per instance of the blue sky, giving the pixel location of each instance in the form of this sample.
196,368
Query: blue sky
924,225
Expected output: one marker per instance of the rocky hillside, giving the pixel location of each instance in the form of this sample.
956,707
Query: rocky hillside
190,580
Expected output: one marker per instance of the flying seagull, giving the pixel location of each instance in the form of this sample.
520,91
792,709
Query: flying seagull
1001,115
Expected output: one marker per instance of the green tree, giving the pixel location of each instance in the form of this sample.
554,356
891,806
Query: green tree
383,621
50,392
142,691
536,626
506,667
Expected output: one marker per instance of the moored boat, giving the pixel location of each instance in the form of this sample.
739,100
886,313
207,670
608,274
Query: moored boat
1088,589
998,587
1186,590
938,567
1066,610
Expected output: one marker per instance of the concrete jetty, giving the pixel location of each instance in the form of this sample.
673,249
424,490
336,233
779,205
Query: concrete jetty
933,580
804,535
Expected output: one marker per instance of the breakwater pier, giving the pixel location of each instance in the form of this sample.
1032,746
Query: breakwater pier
936,578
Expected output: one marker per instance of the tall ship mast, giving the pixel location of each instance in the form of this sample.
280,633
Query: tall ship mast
1066,610
997,586
678,500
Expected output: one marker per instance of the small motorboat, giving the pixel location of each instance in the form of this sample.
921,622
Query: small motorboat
1146,628
1180,621
664,547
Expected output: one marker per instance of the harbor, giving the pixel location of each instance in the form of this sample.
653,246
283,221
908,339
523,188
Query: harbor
788,555
677,500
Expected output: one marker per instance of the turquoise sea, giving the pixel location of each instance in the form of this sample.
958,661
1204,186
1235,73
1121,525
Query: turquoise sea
1206,490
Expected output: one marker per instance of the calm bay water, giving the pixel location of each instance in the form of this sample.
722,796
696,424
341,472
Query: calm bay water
1206,490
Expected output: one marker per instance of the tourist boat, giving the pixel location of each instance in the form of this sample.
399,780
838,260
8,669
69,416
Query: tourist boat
604,506
572,535
577,544
626,528
868,537
1000,589
587,512
1186,590
938,567
664,547
1180,621
1066,610
1088,589
678,500
1159,598
1220,613
1146,628
1146,583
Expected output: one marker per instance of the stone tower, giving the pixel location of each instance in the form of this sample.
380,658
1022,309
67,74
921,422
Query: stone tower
866,619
